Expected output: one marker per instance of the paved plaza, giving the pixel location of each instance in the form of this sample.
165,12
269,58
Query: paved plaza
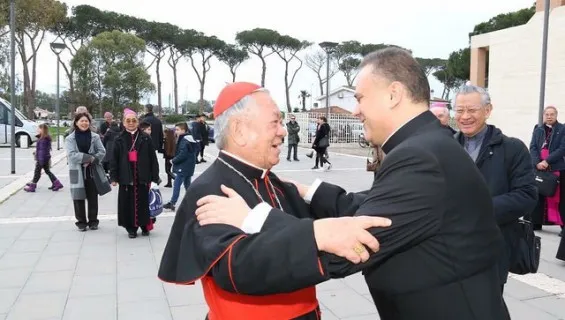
50,271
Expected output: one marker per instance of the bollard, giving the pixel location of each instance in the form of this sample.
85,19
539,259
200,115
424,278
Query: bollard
24,141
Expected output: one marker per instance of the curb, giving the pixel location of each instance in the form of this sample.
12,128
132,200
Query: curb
9,190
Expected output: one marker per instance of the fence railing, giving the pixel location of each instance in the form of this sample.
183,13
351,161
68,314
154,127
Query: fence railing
345,128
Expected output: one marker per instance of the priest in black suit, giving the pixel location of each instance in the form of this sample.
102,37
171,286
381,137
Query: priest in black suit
438,258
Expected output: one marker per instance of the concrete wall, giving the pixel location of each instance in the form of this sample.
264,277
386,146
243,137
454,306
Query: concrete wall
514,72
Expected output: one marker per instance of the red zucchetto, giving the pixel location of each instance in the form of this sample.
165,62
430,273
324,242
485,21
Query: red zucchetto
231,94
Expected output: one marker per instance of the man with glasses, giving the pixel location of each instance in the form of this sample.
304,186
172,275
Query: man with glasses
504,162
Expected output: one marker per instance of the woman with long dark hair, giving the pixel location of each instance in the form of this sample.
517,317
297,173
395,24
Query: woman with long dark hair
85,153
134,166
169,153
321,144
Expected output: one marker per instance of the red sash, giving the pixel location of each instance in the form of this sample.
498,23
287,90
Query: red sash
225,305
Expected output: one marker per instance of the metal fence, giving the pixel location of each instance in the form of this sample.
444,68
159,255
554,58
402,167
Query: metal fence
345,128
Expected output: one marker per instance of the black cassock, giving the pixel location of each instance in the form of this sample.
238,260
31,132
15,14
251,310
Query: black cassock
288,260
438,258
134,179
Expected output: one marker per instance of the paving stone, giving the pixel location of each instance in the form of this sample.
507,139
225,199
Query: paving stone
93,266
7,299
56,263
91,308
94,285
142,268
552,305
14,278
184,295
24,246
520,310
60,248
19,260
130,290
41,282
195,312
346,303
44,306
155,309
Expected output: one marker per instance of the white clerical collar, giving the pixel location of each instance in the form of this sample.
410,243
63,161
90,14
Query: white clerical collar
400,127
264,171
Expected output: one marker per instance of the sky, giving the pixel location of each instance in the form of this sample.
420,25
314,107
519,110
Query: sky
430,28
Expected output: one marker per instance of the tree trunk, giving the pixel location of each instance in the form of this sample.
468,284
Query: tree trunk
264,72
33,83
201,101
175,89
157,71
304,103
233,75
321,85
286,87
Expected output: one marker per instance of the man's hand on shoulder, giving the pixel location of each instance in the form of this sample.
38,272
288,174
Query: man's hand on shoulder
348,237
231,210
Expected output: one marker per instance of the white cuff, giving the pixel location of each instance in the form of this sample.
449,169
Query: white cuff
254,221
312,190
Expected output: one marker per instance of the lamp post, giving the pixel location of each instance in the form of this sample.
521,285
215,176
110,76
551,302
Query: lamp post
13,83
57,48
329,48
543,61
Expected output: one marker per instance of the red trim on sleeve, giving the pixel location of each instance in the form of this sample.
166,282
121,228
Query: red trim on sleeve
191,282
320,267
230,272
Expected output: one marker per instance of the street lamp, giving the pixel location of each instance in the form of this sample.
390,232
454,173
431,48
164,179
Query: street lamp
13,83
57,48
546,8
329,48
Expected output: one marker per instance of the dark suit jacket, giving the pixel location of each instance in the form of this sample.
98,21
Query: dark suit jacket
438,259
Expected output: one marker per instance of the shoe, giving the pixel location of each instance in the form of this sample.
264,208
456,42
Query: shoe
296,159
329,167
168,185
93,226
169,206
30,188
310,155
132,235
81,228
145,233
57,185
315,168
288,159
202,160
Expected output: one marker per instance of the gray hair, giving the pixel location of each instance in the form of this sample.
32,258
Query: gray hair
444,109
469,89
221,123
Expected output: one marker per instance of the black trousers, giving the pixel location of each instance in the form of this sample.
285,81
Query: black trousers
37,172
202,146
80,206
321,156
292,147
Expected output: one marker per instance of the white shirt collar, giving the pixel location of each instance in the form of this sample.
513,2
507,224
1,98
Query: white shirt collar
264,171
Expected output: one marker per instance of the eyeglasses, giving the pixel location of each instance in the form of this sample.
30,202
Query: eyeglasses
470,110
131,120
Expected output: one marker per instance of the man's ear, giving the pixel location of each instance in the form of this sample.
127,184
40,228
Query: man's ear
396,90
238,132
